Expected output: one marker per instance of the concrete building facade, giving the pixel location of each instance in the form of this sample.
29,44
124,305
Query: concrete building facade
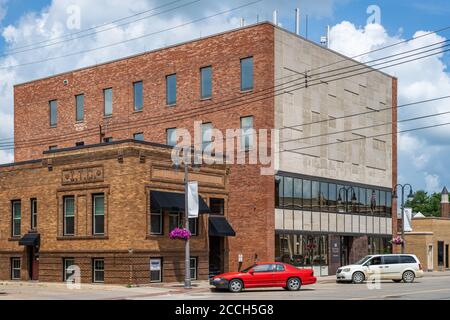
254,81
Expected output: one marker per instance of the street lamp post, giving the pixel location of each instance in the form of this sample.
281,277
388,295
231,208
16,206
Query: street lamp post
187,261
410,198
346,190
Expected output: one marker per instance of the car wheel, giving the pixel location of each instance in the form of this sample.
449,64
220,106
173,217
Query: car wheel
358,277
235,286
293,284
408,276
397,280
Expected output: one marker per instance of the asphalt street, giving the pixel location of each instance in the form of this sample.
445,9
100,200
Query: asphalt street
427,288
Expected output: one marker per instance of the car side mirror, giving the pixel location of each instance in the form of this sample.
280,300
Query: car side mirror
251,271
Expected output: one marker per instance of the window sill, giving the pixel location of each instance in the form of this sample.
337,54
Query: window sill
171,105
108,116
64,238
206,99
246,91
152,236
53,127
138,111
79,121
15,238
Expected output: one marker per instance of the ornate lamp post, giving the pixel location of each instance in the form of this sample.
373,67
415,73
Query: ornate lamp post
346,190
410,198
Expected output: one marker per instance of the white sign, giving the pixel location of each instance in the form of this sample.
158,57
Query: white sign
407,223
193,199
155,265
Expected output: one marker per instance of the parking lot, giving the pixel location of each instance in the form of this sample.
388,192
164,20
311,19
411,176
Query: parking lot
431,287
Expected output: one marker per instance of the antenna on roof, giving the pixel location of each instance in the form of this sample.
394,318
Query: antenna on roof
242,22
275,17
297,21
325,40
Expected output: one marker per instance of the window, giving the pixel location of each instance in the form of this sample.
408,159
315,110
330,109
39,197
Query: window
279,268
34,213
108,140
51,148
174,220
79,102
16,218
53,105
138,136
407,259
332,196
297,202
306,191
388,204
155,269
171,89
207,136
156,222
108,102
315,195
391,260
288,192
217,206
206,82
247,74
323,199
193,268
98,208
68,262
69,216
383,203
138,96
98,270
79,144
193,226
375,261
15,268
440,253
262,268
171,137
278,192
247,133
362,201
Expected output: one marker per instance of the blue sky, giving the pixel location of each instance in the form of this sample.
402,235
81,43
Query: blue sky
423,156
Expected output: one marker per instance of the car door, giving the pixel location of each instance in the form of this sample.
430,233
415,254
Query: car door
261,276
374,267
392,268
280,275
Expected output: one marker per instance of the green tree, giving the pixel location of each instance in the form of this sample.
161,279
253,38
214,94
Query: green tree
428,205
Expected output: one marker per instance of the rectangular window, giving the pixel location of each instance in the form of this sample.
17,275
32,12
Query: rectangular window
108,102
15,268
34,214
138,96
98,270
247,133
206,82
171,89
362,201
79,144
288,192
68,272
217,206
278,192
440,253
51,148
315,189
53,105
69,216
323,199
388,204
98,208
138,136
108,140
207,136
156,269
332,198
193,226
298,194
79,102
16,218
171,137
247,74
156,222
174,220
193,268
306,195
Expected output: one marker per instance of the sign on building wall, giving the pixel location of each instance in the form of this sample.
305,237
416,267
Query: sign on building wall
82,175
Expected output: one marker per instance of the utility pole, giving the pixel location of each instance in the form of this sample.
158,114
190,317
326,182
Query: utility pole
187,262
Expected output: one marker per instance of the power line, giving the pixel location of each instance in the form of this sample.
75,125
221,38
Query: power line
83,134
107,29
131,39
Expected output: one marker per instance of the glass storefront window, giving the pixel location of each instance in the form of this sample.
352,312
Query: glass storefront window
388,204
362,201
278,192
306,195
288,192
323,197
332,202
298,194
341,198
315,187
383,203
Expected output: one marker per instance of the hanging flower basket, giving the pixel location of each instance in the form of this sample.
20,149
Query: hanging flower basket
180,234
397,240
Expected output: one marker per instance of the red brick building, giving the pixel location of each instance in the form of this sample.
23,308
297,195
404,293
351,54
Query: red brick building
230,81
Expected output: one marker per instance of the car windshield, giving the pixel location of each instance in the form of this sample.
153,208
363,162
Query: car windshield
248,269
363,260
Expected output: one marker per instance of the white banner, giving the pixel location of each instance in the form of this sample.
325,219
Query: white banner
407,222
193,199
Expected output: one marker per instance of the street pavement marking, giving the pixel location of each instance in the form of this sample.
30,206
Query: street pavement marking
400,294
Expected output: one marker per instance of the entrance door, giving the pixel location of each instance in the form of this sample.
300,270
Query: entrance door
446,257
33,263
345,251
430,258
216,255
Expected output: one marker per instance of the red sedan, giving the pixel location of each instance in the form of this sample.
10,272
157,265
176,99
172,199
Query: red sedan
265,275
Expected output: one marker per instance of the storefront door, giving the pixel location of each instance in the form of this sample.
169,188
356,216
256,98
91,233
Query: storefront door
345,251
33,263
216,255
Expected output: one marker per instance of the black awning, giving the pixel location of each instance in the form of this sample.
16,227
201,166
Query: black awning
219,227
30,239
173,202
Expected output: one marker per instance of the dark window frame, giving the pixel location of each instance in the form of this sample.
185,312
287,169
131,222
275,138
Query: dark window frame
195,268
104,102
247,88
94,270
14,219
53,107
14,268
65,267
34,213
136,107
159,213
161,261
94,215
171,102
138,133
244,135
168,142
65,233
202,93
79,107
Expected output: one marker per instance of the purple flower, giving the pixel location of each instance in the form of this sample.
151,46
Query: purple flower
179,234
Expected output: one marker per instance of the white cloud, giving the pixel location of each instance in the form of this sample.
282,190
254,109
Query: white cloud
432,182
3,10
419,151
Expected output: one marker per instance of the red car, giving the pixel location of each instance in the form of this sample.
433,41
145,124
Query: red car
272,274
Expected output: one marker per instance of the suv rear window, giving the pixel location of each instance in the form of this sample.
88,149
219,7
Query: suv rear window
391,259
407,259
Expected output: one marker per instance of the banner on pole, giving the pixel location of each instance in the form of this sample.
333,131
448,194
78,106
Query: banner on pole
407,222
193,199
